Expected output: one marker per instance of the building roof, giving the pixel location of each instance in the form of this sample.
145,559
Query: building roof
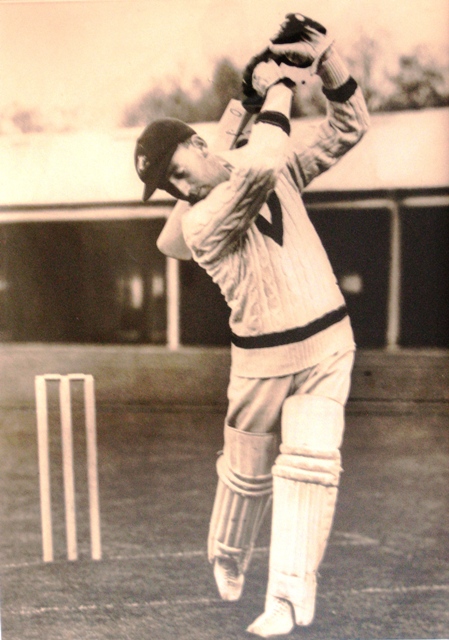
404,150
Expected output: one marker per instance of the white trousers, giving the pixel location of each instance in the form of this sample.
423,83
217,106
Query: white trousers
255,404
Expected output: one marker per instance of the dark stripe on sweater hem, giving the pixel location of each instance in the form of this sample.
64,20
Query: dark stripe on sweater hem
289,336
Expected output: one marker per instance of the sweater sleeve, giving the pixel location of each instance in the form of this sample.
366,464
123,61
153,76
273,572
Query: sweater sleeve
214,226
346,122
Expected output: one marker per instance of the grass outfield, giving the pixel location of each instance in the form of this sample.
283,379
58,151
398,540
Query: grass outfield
385,574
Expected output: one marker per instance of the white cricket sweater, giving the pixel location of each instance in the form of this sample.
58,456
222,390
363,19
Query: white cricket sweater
263,251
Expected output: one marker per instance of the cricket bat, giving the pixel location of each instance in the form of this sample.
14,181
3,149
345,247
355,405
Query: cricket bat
234,126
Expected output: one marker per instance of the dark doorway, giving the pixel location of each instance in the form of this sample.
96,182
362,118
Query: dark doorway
425,278
84,282
204,312
358,245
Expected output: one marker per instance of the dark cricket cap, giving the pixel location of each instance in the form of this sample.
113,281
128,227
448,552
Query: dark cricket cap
155,148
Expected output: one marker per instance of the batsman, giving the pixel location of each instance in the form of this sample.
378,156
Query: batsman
292,343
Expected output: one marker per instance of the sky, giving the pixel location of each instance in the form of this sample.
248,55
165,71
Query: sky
87,60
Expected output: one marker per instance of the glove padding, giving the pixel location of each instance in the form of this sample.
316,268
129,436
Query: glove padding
261,73
300,42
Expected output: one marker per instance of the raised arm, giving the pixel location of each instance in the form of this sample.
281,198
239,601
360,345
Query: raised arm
304,43
216,224
346,122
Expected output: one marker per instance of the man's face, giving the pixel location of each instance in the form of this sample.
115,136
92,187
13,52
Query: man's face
193,171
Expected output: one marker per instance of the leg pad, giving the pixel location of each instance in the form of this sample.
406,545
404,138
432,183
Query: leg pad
243,494
305,487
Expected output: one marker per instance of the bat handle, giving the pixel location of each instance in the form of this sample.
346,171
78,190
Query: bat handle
246,117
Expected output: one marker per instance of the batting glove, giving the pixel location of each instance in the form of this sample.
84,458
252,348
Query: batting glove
300,42
261,73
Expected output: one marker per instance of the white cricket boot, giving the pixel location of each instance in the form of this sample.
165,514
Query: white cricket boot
229,578
277,620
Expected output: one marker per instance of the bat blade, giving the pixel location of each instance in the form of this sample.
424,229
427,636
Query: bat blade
234,124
